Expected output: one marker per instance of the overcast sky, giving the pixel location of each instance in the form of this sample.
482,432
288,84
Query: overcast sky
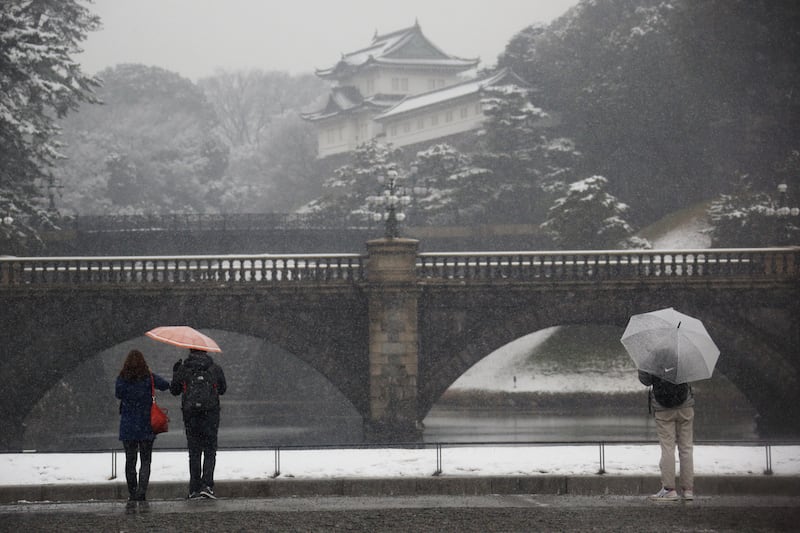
197,37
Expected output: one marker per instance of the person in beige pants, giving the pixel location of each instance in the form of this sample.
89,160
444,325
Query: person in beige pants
673,409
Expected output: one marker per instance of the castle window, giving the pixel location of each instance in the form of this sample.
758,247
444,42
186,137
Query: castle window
478,108
463,112
400,84
448,116
393,130
406,127
435,83
420,123
435,120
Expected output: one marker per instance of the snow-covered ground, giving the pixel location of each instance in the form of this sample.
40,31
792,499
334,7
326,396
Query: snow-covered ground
691,233
621,459
512,369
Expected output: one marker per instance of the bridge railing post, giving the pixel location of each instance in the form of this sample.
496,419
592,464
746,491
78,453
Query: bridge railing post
393,340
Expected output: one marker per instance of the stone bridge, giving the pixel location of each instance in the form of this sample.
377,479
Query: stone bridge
392,329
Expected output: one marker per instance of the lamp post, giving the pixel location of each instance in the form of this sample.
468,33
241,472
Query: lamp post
393,198
787,216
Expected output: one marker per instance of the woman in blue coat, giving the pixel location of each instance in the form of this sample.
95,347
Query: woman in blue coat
135,432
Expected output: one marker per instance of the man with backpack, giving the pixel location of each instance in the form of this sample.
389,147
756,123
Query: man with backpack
673,409
201,382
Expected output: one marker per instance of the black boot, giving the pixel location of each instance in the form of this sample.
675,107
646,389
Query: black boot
130,478
132,487
144,480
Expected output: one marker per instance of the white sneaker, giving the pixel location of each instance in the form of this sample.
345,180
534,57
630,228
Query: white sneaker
665,495
688,494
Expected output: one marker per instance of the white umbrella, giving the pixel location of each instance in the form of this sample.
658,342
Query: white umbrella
670,345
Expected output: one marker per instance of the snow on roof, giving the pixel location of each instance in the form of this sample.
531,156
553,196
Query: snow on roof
414,103
348,100
390,48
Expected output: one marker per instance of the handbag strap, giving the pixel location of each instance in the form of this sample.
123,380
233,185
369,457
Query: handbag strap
152,387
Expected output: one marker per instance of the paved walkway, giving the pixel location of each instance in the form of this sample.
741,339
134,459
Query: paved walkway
440,513
586,485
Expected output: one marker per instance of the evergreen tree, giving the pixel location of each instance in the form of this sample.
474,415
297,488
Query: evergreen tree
526,156
588,217
751,218
346,193
669,96
39,83
447,187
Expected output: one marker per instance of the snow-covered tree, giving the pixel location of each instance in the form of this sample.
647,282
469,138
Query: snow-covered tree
449,187
750,218
588,217
346,192
528,159
152,147
39,83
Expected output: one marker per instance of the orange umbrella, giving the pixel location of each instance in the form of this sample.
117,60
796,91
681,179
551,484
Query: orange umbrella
184,337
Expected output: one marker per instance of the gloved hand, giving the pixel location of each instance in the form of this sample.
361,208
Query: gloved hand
177,365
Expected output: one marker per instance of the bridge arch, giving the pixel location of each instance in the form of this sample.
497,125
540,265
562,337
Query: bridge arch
271,395
460,332
51,332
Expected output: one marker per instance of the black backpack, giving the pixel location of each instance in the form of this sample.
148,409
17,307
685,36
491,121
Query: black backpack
669,394
200,390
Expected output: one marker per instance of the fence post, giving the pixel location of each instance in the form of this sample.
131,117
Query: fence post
277,471
768,470
602,458
113,464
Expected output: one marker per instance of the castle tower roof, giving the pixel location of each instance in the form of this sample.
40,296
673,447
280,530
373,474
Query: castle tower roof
405,47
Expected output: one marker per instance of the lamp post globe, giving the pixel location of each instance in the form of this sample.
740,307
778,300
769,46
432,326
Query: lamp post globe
393,199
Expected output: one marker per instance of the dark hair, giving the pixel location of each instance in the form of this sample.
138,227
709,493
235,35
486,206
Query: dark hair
135,367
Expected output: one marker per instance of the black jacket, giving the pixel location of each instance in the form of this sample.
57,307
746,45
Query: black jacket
182,371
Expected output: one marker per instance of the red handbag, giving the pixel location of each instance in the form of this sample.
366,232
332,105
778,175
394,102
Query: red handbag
158,416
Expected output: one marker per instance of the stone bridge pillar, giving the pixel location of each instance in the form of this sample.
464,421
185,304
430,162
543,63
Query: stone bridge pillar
393,340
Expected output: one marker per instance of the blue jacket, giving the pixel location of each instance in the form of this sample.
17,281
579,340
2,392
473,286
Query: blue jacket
134,409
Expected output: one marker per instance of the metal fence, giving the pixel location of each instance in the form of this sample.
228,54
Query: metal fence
440,448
